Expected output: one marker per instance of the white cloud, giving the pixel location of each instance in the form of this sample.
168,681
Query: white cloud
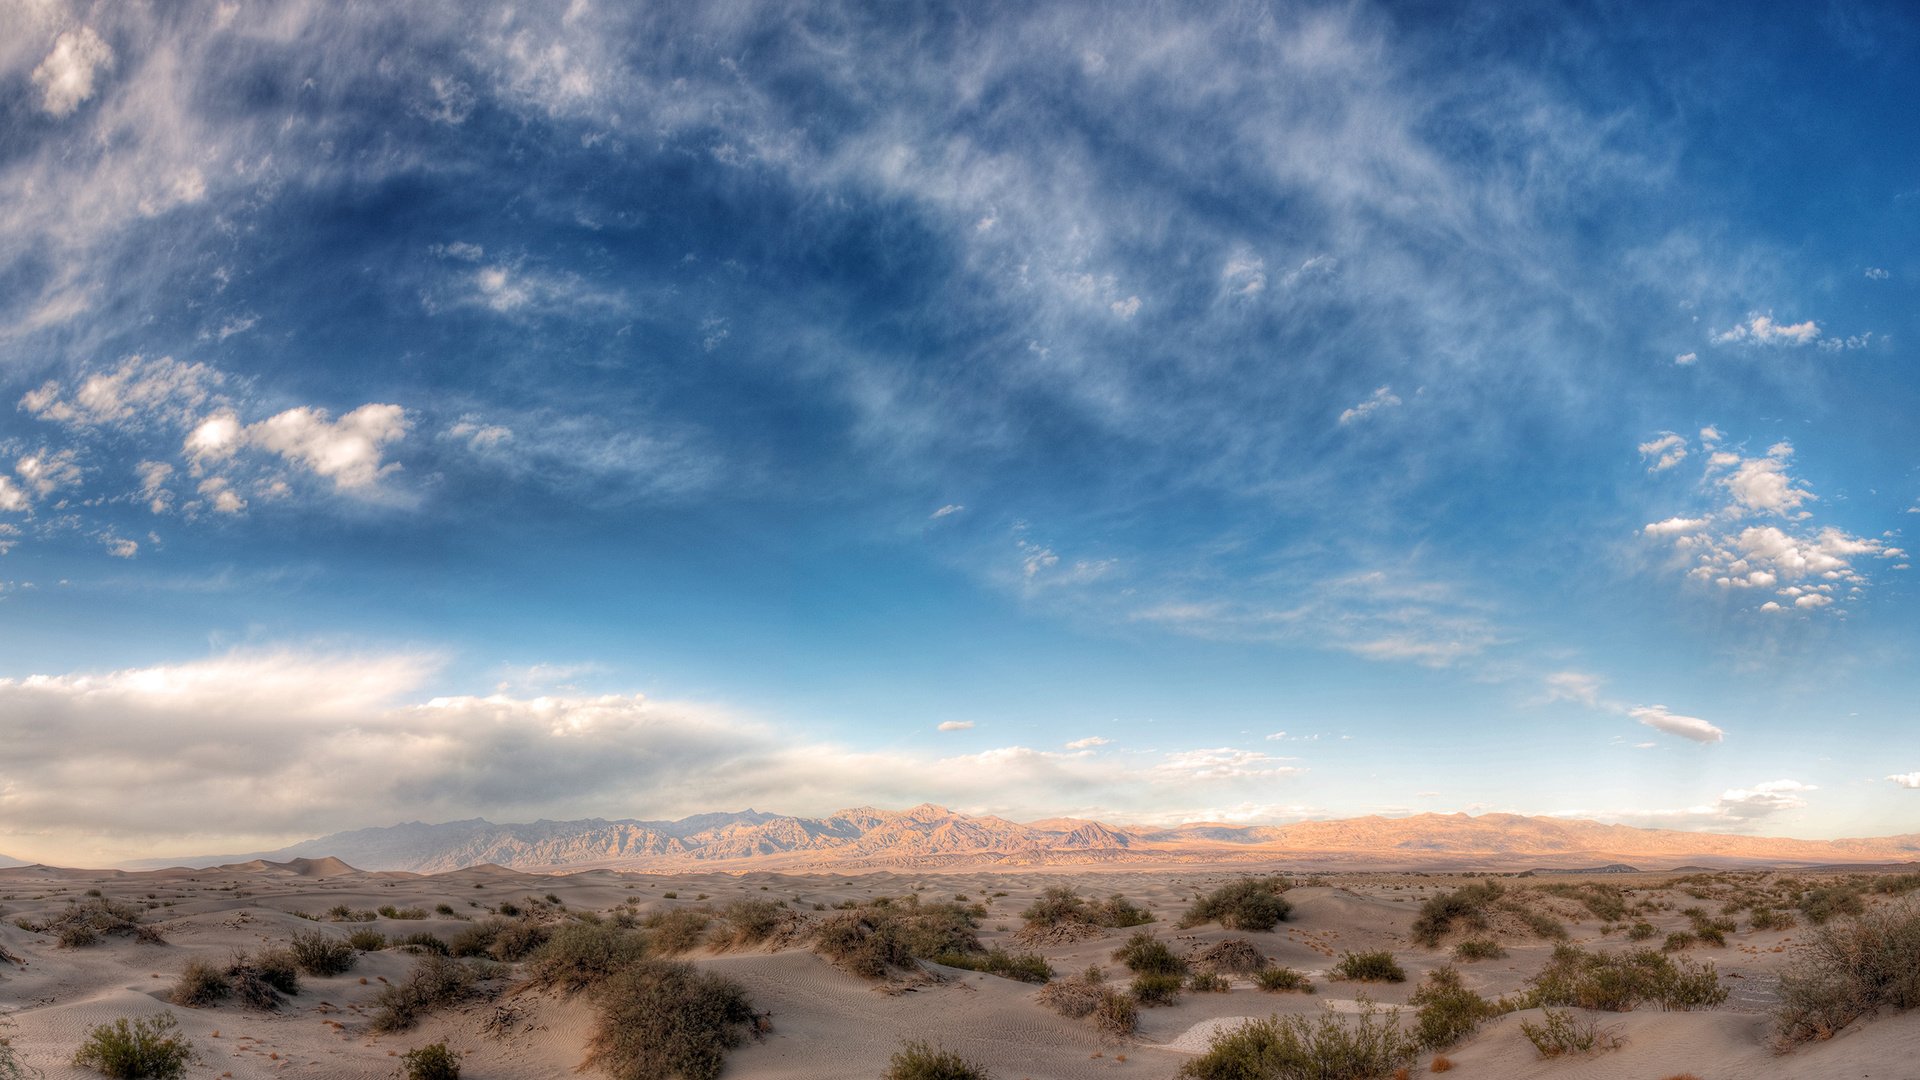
1659,718
66,76
1088,743
13,498
946,511
1127,308
956,725
1223,763
213,439
1575,686
346,451
1875,273
120,547
1686,358
1761,329
220,496
1668,450
1245,275
1710,435
1762,800
479,436
44,472
1382,398
1762,483
1911,780
134,395
1676,526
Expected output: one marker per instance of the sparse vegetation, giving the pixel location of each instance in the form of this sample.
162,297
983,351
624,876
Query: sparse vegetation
1465,907
1560,1033
665,1018
874,938
1298,1048
1617,982
431,1062
200,985
1088,996
1250,903
1281,979
1156,988
1448,1011
1375,966
919,1060
1848,970
1207,982
145,1047
435,982
1468,950
1024,967
679,929
1234,955
90,920
367,940
582,955
320,954
750,922
1144,954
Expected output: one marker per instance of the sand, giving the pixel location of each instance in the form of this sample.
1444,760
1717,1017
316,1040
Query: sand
829,1024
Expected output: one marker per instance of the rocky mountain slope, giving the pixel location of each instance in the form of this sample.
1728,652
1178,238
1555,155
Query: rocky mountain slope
931,837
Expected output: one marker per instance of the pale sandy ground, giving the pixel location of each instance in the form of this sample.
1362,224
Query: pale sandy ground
831,1025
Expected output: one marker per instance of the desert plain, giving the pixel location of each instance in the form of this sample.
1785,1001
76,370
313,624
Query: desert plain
821,1020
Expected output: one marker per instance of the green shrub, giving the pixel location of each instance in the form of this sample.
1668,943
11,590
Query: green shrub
435,982
1641,931
1299,1048
918,1060
1024,967
1376,966
85,923
1155,988
1281,979
1848,970
1448,1011
390,912
343,913
1471,949
422,943
1679,941
1617,982
1144,954
320,954
1250,903
1560,1033
1062,906
750,922
1766,918
677,930
431,1062
582,955
201,984
1465,906
663,1018
146,1047
1207,982
366,939
1828,901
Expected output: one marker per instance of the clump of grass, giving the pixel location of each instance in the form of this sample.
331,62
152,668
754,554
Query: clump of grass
582,955
1235,955
435,982
664,1018
920,1060
321,954
1617,982
1849,970
1468,950
1679,941
1448,1011
1766,918
1207,982
1155,988
422,943
1144,954
1560,1033
89,921
1604,901
1299,1048
1249,903
1088,996
145,1047
1376,966
1465,907
1281,979
1023,967
431,1062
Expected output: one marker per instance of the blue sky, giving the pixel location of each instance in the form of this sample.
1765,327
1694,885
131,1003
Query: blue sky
1280,411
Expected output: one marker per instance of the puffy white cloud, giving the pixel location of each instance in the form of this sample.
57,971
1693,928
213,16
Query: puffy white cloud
120,547
255,749
13,498
1382,398
1660,718
66,76
1667,451
1762,483
136,394
1911,780
1676,526
44,472
956,725
1762,800
1088,743
213,439
1761,329
346,451
1875,273
1686,358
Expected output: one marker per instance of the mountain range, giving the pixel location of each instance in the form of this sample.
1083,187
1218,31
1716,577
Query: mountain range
933,837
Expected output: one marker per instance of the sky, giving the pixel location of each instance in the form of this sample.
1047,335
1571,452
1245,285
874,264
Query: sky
1152,412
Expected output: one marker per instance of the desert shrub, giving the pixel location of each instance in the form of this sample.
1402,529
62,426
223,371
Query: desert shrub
1087,995
1156,988
517,940
1376,966
1766,918
422,943
677,930
280,970
431,1062
1119,912
435,982
1144,954
343,913
388,911
201,984
872,938
1828,901
1560,1033
1896,884
1617,982
321,954
90,920
10,1067
366,939
582,955
919,1060
1848,970
1465,906
1062,906
1641,931
1024,967
1281,979
750,922
148,1046
1679,941
1448,1011
1298,1048
1232,955
1207,982
1471,949
1250,903
445,910
664,1018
